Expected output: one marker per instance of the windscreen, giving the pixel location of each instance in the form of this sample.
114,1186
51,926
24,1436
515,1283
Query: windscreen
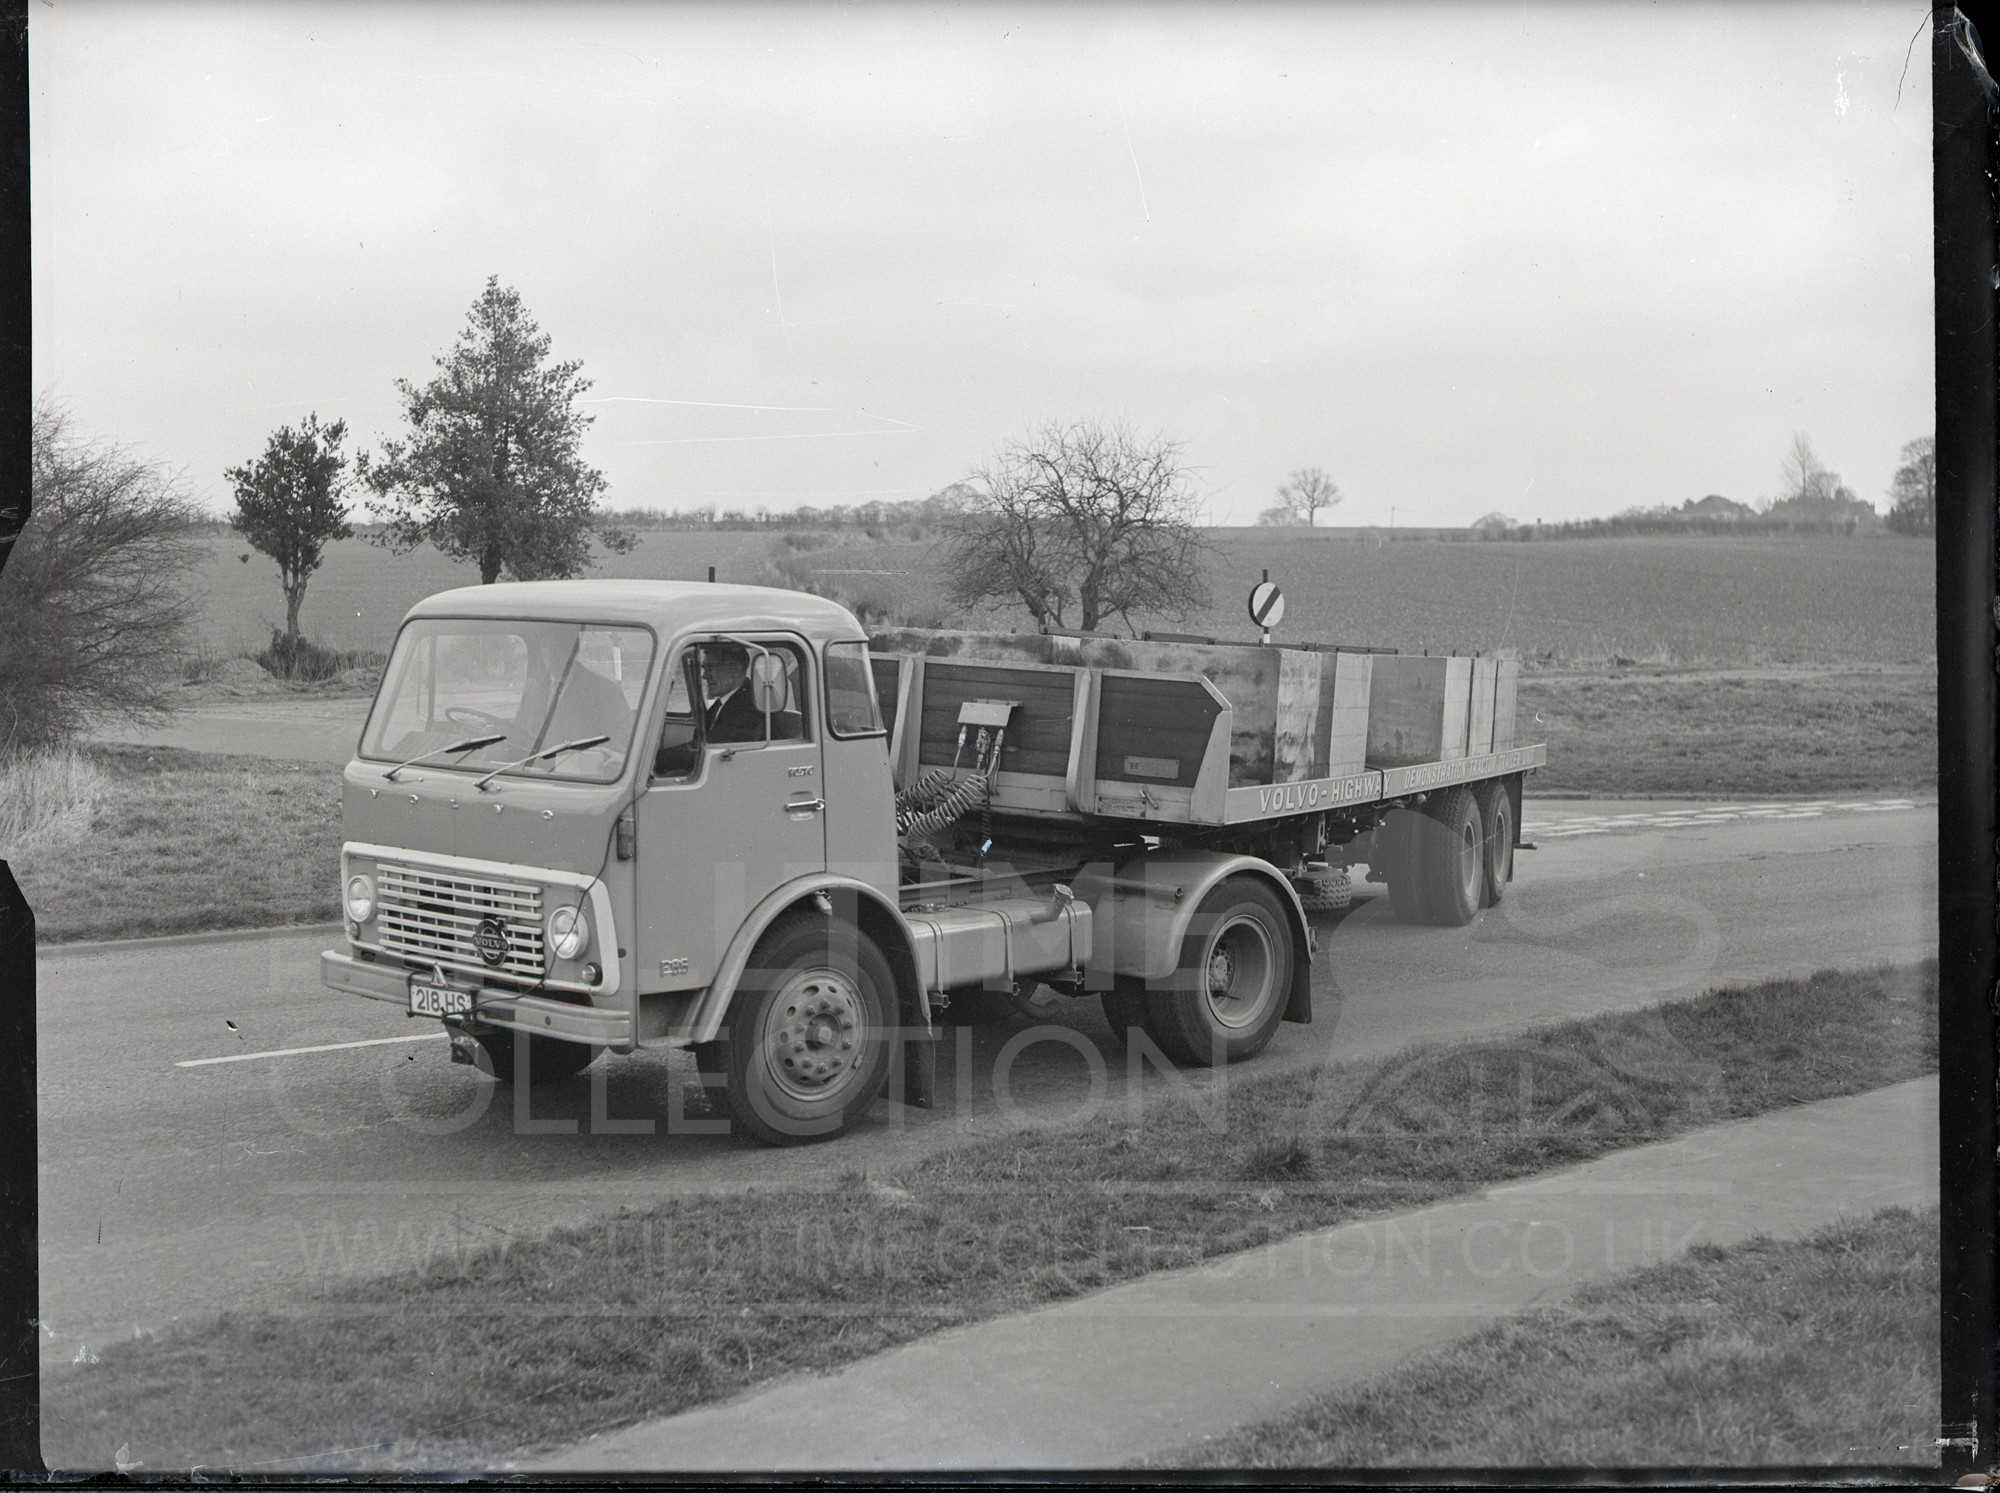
534,684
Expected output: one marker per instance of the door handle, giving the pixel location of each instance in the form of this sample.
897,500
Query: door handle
804,805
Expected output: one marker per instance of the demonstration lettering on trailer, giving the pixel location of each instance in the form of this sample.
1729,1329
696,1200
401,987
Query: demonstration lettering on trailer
1439,774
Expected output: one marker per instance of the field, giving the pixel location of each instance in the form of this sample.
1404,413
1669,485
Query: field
1652,600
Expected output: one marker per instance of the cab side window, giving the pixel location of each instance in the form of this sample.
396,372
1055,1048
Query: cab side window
851,707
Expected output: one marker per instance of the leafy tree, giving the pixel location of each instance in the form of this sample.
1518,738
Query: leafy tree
291,502
1913,490
98,592
492,471
1079,515
1300,498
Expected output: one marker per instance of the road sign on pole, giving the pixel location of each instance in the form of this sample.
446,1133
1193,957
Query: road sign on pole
1267,606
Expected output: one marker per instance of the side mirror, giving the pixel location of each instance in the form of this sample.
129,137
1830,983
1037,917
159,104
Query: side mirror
769,688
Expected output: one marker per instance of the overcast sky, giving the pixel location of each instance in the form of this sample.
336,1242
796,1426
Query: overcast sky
1551,261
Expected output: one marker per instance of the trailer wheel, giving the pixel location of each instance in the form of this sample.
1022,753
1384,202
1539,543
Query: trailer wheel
1399,841
810,1032
1496,813
1228,994
1452,858
548,1059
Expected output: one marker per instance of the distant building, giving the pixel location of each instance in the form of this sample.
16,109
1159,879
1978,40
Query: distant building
1713,506
1493,522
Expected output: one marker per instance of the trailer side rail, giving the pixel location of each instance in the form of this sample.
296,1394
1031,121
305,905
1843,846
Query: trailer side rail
1281,800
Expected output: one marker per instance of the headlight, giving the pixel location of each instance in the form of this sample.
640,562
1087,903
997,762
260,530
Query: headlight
569,932
360,898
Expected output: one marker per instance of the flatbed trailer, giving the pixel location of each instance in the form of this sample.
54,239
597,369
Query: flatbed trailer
1292,754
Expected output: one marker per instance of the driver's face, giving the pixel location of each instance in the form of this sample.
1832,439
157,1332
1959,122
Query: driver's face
720,673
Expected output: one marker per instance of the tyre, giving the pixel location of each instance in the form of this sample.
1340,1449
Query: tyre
1451,858
1496,813
547,1060
1228,993
1399,844
810,1032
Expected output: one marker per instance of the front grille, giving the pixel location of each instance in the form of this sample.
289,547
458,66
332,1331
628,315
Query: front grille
433,915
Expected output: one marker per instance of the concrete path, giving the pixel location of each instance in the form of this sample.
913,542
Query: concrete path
1170,1359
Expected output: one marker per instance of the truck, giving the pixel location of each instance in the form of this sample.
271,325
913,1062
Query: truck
612,815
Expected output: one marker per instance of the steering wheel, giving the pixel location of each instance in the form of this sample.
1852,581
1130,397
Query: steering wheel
466,715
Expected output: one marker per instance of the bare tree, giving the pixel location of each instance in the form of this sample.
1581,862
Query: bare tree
1808,480
1081,515
1300,498
1913,490
98,593
290,503
1814,492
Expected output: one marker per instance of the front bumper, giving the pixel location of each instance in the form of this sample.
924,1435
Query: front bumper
491,1005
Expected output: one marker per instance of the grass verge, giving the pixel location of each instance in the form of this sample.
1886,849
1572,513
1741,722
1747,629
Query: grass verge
47,800
180,841
480,1352
1692,733
1816,1351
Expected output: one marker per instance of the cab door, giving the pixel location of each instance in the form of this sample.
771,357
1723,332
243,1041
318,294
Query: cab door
720,827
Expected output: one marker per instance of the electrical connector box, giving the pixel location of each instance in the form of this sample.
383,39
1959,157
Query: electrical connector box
986,712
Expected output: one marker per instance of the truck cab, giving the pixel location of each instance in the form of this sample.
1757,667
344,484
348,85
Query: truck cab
571,799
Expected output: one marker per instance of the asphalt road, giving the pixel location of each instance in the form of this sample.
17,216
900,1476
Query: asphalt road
171,1190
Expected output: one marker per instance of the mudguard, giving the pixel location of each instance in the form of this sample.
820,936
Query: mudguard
711,1008
1142,911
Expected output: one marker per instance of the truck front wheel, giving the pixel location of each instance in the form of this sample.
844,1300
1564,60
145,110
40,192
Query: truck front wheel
811,1032
1235,974
516,1057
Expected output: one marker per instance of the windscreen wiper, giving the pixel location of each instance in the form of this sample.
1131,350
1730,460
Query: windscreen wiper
555,751
471,743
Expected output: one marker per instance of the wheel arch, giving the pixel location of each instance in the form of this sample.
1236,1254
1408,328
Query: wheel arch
1126,906
870,911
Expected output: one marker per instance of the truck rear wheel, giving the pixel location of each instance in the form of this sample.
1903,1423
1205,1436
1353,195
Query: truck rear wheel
548,1060
811,1032
1496,814
1235,975
1452,858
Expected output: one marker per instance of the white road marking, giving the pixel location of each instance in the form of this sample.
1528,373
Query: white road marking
288,1052
1568,826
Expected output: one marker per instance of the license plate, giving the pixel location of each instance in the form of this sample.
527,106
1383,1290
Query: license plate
428,998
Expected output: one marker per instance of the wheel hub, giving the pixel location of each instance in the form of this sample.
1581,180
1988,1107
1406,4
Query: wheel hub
1239,973
815,1032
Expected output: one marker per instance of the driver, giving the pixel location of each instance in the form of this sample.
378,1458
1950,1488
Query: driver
731,714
